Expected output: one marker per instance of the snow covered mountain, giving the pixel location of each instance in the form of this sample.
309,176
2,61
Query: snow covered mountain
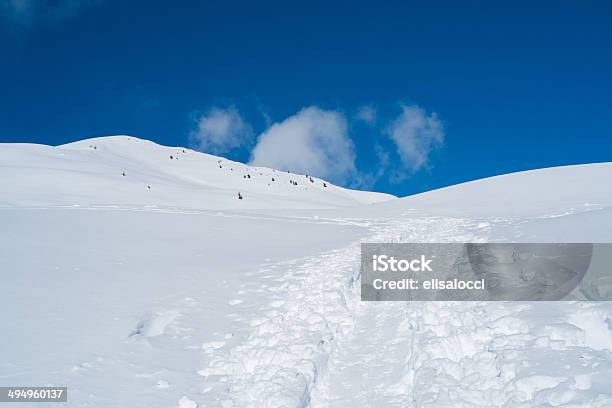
124,170
558,204
183,295
542,193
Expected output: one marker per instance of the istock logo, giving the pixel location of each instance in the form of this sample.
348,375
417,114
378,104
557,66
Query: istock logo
384,263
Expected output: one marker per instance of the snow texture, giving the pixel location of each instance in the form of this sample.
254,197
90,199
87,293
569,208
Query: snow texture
181,295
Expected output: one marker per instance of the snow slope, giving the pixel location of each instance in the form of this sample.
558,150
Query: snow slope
91,172
479,354
189,296
543,193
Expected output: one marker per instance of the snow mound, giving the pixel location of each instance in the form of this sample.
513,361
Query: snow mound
546,193
127,171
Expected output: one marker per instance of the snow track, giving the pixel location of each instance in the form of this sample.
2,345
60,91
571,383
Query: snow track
316,345
471,354
289,345
286,355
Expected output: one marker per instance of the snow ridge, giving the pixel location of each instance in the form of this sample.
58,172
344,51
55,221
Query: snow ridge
125,170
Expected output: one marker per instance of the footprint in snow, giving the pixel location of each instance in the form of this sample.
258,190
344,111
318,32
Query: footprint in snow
154,324
211,346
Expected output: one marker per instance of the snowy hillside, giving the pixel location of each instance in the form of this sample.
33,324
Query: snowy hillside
185,296
547,192
124,170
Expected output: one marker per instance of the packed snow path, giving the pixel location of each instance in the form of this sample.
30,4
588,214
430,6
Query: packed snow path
317,345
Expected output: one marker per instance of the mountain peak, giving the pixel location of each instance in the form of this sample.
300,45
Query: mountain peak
127,170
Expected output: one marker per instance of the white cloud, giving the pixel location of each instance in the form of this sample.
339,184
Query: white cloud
313,141
416,134
220,131
29,12
366,114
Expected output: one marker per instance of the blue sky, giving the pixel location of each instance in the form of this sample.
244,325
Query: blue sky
399,97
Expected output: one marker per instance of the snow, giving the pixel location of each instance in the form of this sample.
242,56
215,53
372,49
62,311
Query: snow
540,194
183,296
117,171
185,402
